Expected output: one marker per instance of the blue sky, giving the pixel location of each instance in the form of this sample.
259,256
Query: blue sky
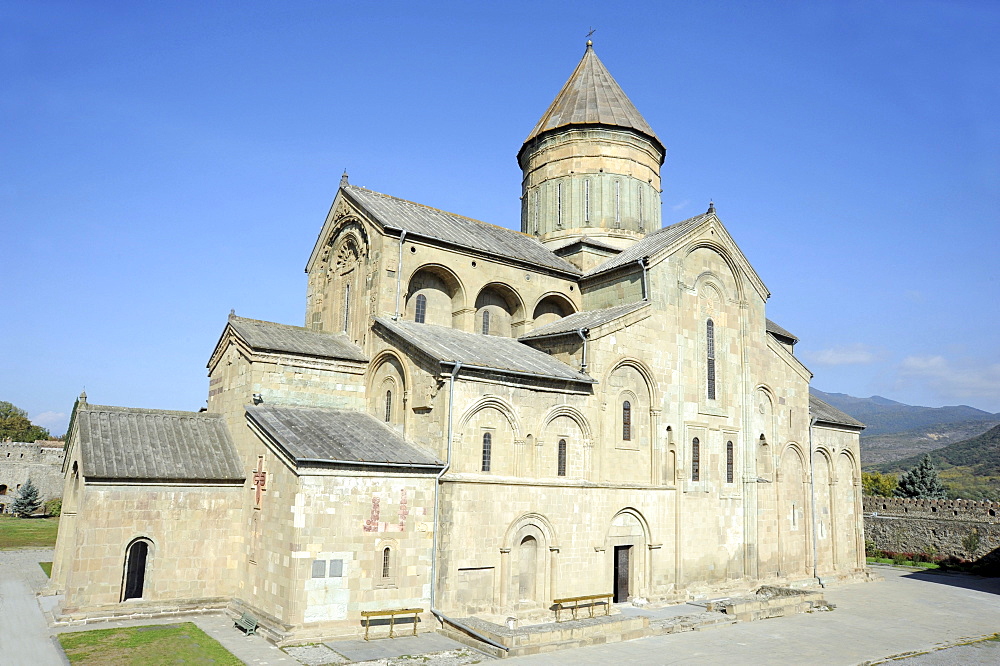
162,163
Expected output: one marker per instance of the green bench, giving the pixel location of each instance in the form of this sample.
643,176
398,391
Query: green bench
247,624
391,614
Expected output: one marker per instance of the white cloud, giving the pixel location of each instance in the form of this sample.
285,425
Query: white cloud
856,354
50,420
968,380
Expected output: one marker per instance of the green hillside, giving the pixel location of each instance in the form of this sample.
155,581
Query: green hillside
882,416
890,447
970,469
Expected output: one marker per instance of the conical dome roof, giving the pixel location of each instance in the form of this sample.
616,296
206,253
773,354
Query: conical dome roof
591,96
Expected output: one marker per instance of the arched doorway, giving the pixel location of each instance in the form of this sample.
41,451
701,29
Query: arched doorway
627,539
136,556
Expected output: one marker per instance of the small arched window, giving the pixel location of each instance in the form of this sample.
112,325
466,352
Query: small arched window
420,314
710,358
486,322
729,462
695,460
386,562
487,451
627,421
561,471
388,406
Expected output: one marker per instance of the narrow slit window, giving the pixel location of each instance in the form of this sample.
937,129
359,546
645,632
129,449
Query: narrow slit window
420,314
695,460
558,204
536,212
729,462
640,208
561,471
486,322
586,200
347,306
388,406
386,562
618,201
710,358
487,451
626,421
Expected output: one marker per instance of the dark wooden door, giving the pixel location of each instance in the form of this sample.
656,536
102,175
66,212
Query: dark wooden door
135,570
622,571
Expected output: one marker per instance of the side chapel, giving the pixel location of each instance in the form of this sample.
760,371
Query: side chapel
475,421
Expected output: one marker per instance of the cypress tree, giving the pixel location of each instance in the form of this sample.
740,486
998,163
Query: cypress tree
921,482
28,500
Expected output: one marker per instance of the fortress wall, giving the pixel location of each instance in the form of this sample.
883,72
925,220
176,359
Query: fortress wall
41,461
917,525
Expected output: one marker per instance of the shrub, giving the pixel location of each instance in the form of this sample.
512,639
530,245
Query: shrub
53,507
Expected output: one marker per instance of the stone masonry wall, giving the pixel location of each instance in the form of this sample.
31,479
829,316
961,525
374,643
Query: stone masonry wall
914,525
39,461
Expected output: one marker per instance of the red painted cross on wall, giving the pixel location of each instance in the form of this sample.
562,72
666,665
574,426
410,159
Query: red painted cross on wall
259,478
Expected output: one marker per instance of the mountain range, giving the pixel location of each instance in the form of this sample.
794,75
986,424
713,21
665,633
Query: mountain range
896,431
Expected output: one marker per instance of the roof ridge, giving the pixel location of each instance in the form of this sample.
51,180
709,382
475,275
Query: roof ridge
90,407
445,212
278,323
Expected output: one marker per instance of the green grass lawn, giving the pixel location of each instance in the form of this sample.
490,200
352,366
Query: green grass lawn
27,532
47,568
154,645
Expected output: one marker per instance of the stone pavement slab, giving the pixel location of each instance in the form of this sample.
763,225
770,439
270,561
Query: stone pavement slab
907,612
361,650
24,634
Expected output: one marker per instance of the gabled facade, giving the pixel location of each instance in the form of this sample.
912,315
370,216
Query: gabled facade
476,421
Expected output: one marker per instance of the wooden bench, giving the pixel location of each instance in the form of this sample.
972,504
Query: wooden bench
589,600
247,624
368,615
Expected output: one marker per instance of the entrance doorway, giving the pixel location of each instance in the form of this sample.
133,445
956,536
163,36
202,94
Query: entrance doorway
623,573
135,570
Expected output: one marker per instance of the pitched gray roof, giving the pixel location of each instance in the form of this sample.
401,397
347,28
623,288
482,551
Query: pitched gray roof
584,319
591,96
780,332
315,434
651,244
827,413
269,336
155,444
502,355
587,241
454,229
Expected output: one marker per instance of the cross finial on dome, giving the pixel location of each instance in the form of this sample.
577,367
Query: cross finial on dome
711,207
343,179
590,44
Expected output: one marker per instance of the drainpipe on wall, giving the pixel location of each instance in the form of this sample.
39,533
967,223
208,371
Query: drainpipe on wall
399,274
583,333
812,502
437,504
642,264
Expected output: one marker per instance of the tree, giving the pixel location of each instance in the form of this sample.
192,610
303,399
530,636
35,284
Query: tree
15,426
921,482
28,500
877,484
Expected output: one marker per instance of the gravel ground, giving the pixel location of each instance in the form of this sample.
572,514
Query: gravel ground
320,655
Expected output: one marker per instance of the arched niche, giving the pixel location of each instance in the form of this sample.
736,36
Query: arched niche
526,568
499,311
630,397
387,390
493,417
793,511
551,307
443,297
570,426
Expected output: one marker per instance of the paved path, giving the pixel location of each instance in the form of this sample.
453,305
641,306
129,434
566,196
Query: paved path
24,635
908,612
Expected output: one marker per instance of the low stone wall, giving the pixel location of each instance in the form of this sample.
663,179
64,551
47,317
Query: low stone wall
940,526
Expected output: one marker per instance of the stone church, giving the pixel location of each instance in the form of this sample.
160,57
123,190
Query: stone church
475,421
